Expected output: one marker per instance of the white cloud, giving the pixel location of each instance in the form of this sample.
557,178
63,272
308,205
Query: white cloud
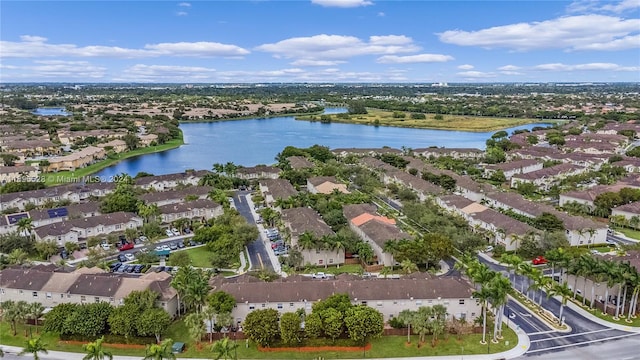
381,14
465,67
342,3
35,46
511,73
591,6
304,62
585,67
184,4
333,47
476,74
54,69
182,13
420,58
583,32
509,68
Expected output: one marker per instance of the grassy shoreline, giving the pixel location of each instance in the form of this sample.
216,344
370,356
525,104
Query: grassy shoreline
466,123
65,177
248,117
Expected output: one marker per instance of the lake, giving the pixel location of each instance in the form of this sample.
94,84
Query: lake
51,111
257,141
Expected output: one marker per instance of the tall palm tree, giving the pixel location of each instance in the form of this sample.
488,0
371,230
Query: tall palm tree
564,292
499,287
17,257
224,349
407,317
408,266
609,268
34,346
162,351
589,267
625,274
513,262
483,295
35,312
195,326
25,226
196,291
180,282
307,240
524,270
95,351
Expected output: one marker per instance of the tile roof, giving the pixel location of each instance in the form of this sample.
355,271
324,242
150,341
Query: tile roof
306,219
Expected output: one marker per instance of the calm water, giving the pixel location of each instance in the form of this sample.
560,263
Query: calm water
257,141
50,111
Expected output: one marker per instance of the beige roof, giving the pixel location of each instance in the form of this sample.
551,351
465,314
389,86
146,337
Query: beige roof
473,208
131,284
60,282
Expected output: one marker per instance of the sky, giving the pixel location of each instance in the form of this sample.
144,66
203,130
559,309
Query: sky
320,41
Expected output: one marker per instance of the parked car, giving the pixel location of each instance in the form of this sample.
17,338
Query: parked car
143,238
173,246
192,243
181,244
64,254
129,257
105,246
319,275
160,268
175,231
127,246
168,232
488,249
165,247
186,231
539,260
122,258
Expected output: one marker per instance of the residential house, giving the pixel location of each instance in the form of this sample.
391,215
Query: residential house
51,285
343,152
67,137
161,198
18,173
545,178
299,162
511,168
171,181
77,230
31,147
147,139
300,293
201,209
325,185
274,189
375,229
423,188
76,160
631,212
306,220
258,172
456,153
116,146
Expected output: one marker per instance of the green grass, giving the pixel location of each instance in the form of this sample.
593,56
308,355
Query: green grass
448,122
63,177
386,346
598,313
603,249
533,307
634,234
200,256
335,270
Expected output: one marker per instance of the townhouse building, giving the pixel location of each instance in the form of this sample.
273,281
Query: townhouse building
77,159
545,178
299,162
325,185
18,173
74,193
389,296
51,285
161,198
306,220
456,153
171,181
274,189
258,172
631,212
512,168
203,209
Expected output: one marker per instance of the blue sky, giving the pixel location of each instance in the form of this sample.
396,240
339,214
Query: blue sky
320,41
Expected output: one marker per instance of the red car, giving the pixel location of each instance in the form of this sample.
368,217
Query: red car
539,260
127,246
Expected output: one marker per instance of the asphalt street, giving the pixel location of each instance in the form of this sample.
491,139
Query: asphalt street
546,341
257,251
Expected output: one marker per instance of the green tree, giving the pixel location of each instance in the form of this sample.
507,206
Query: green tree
95,350
162,351
332,323
195,326
153,321
123,198
363,323
224,349
221,302
261,326
35,312
290,328
407,317
563,291
34,346
313,325
46,248
132,141
180,259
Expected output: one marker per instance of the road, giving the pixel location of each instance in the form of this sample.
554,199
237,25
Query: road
620,240
607,350
546,341
257,251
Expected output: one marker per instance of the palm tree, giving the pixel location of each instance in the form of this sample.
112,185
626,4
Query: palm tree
195,326
599,275
564,292
524,270
483,295
224,349
95,351
625,274
209,313
499,287
307,240
24,226
407,317
439,321
513,262
180,281
34,346
17,257
160,351
408,266
609,268
36,310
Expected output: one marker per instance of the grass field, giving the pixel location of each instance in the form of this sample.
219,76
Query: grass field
64,177
386,346
200,256
634,234
335,270
448,122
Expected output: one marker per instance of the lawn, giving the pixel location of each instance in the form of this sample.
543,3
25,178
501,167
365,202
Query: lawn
334,270
634,234
200,256
387,346
448,122
63,177
622,321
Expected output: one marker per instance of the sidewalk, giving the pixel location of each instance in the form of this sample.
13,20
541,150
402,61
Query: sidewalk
265,242
582,312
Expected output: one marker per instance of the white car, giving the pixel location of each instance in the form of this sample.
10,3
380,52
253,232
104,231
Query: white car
319,275
105,246
166,248
129,256
143,238
175,232
168,233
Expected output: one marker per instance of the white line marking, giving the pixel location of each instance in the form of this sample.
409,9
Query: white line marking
571,335
581,343
542,332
